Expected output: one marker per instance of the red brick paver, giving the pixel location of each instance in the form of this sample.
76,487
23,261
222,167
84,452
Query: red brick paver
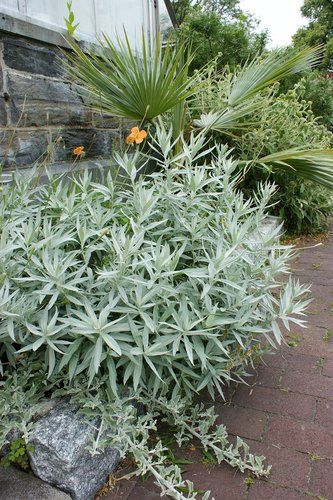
285,414
321,478
267,491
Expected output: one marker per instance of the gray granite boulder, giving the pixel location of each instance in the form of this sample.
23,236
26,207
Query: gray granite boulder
60,456
18,485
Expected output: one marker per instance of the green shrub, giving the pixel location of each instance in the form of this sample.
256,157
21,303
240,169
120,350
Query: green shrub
288,121
155,286
278,123
305,207
319,91
314,87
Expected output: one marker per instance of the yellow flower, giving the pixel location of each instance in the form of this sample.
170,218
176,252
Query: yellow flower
79,150
136,136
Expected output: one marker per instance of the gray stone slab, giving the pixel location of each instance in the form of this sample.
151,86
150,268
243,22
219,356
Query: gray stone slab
22,147
60,456
32,57
18,485
36,113
40,89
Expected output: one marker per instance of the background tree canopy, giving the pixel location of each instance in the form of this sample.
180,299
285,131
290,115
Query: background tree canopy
219,28
319,29
224,8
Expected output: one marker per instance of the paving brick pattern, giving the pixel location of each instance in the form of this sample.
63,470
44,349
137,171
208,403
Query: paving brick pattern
287,415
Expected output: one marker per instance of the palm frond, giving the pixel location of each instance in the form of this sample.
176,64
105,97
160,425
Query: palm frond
261,73
121,82
228,119
315,165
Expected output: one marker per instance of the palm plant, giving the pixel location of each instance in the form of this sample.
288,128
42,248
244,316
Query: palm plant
155,84
140,86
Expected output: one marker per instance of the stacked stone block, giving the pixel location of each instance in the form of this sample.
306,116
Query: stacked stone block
41,114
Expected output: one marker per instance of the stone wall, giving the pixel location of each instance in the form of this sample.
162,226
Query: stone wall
41,115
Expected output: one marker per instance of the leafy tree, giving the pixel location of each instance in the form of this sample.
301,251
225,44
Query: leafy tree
231,40
224,8
228,9
319,29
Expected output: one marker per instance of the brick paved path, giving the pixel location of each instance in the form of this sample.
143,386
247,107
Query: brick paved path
287,415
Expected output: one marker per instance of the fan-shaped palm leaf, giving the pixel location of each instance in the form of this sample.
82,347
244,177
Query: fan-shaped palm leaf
121,82
261,73
315,165
229,119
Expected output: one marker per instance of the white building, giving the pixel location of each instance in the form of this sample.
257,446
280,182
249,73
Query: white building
94,16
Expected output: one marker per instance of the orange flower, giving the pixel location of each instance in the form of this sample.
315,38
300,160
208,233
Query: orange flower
79,150
136,136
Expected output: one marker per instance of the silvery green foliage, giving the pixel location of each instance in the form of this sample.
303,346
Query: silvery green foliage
199,422
117,423
19,402
154,284
157,285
